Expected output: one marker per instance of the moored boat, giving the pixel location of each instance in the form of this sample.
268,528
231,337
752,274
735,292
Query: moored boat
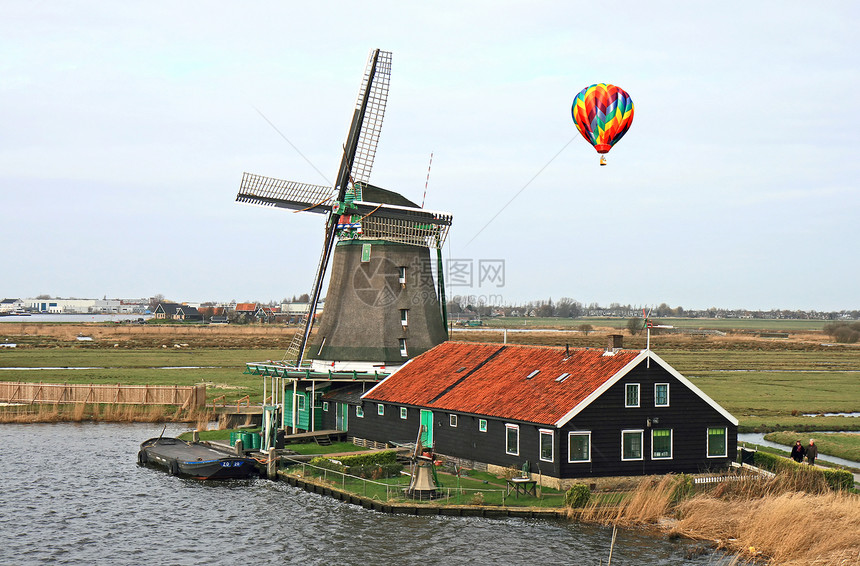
181,458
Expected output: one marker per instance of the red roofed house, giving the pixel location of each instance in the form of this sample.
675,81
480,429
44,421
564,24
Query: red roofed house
568,413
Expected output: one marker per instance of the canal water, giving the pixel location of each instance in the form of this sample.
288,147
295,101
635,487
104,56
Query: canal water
73,494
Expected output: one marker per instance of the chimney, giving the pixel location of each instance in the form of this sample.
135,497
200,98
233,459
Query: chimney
615,342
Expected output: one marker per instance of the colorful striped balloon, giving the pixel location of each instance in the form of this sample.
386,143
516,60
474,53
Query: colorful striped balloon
602,114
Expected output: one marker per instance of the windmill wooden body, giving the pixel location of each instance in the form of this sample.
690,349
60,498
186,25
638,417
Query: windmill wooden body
382,306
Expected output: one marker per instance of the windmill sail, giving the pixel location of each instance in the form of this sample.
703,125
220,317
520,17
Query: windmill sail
374,100
268,191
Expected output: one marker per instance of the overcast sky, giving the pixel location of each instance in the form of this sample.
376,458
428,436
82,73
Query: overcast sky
125,128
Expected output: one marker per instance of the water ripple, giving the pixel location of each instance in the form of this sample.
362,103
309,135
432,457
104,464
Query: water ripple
74,494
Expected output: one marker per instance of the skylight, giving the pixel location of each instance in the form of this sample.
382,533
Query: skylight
532,374
459,370
562,377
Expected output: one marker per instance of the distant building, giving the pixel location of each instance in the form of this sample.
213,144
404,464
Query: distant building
176,311
11,305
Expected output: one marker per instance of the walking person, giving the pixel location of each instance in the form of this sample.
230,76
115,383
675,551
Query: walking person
811,452
798,452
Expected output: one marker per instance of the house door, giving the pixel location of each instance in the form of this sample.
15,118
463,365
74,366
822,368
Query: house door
340,416
427,428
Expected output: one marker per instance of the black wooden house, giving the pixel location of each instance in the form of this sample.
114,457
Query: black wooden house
568,413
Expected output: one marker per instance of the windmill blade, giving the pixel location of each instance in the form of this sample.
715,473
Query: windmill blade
268,191
377,76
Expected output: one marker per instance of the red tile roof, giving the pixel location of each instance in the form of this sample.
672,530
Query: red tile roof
246,307
494,382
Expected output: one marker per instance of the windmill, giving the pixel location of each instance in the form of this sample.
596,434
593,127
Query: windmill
381,306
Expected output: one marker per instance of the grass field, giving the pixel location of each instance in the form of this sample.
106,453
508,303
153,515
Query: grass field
741,324
768,384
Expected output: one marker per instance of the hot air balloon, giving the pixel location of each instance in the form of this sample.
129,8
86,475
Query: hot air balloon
602,114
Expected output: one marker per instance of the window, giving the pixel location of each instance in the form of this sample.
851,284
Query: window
404,317
717,445
359,412
325,405
380,409
512,439
562,377
547,449
579,447
482,425
631,445
300,402
403,412
403,351
661,394
661,444
401,275
532,374
631,395
452,420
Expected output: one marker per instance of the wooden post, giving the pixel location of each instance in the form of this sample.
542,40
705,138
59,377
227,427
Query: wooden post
195,436
272,466
240,451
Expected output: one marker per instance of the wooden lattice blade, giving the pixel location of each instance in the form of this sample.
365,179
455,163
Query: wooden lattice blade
268,191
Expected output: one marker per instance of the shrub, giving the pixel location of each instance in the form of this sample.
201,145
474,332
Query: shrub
684,488
477,499
372,459
577,496
836,479
376,471
322,462
840,480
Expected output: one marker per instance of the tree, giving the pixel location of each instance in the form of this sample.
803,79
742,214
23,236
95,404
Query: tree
634,325
585,328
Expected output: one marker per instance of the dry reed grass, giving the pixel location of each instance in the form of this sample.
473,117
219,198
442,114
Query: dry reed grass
101,413
790,528
791,519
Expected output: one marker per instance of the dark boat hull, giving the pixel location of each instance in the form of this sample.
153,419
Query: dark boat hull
180,458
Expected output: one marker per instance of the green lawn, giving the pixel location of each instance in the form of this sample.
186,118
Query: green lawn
464,492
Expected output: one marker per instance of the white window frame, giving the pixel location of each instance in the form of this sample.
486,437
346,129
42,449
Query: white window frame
401,275
541,433
325,406
300,402
452,420
403,349
638,395
380,409
587,435
508,429
482,425
359,411
708,442
641,433
404,412
671,444
656,385
404,317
